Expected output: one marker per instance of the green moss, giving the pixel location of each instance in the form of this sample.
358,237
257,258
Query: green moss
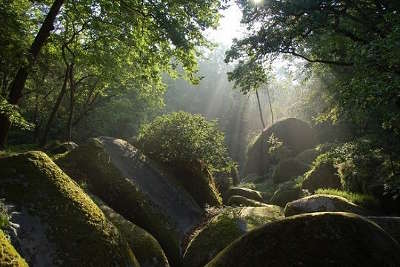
196,178
363,200
223,229
8,255
318,239
92,165
78,228
146,248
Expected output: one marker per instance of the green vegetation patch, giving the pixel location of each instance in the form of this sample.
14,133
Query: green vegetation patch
363,200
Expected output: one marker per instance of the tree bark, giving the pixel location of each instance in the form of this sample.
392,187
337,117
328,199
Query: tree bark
259,109
71,103
53,113
270,106
18,84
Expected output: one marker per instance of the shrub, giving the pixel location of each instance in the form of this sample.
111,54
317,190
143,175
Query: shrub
182,136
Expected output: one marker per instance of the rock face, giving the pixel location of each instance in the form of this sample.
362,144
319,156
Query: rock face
322,176
284,195
53,222
287,170
244,201
136,188
245,192
8,255
146,248
390,224
318,239
308,156
322,203
198,181
295,134
59,148
230,224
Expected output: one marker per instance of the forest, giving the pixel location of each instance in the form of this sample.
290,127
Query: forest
190,133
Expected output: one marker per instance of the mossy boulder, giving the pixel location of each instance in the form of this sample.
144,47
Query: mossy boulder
323,175
296,136
390,224
317,239
308,156
8,255
195,177
287,170
223,229
244,201
322,203
146,248
245,192
136,188
58,224
285,193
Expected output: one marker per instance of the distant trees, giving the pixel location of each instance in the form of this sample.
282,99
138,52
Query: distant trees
354,41
99,50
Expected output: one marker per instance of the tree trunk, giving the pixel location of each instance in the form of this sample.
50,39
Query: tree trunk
71,104
270,106
53,113
259,109
18,84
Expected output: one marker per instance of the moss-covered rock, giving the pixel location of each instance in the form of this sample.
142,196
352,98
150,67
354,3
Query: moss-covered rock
287,170
390,224
308,156
296,136
245,192
323,175
317,239
58,224
230,224
59,148
146,248
136,188
244,201
198,181
322,203
285,193
8,255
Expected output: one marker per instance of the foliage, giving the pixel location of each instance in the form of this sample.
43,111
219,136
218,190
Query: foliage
181,136
363,200
108,56
361,163
352,46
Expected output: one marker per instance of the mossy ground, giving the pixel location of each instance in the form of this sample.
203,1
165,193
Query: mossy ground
8,255
76,225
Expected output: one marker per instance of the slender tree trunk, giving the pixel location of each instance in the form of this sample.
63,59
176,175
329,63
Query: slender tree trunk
56,106
270,106
71,104
18,84
259,109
